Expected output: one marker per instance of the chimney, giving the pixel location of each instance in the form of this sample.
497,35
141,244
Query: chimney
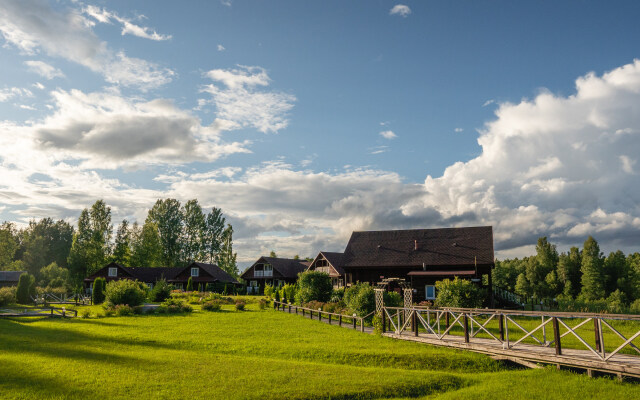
415,245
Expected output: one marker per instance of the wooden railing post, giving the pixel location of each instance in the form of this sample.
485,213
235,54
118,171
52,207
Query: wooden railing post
501,326
556,336
275,305
329,319
340,320
361,324
446,322
465,323
384,321
354,321
289,308
414,321
596,330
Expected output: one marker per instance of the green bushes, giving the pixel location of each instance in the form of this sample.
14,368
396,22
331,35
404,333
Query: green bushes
99,286
262,304
26,288
123,310
360,299
240,305
160,292
289,292
313,285
84,313
393,299
7,296
212,305
125,291
459,293
337,295
190,285
269,291
177,306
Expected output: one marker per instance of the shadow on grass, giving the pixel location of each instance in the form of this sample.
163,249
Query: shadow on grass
15,380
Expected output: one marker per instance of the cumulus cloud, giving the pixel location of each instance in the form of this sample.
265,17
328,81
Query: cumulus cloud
7,94
33,26
388,135
401,10
128,27
108,131
43,69
240,102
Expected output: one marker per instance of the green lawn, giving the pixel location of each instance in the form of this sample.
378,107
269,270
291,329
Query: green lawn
255,354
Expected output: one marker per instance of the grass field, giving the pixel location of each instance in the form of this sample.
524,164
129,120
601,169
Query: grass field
255,354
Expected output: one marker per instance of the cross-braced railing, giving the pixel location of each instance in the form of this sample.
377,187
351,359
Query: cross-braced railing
519,329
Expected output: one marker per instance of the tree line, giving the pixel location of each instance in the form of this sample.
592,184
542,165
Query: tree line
585,275
171,235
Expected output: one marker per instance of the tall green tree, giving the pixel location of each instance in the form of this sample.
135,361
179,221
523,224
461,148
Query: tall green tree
195,226
633,262
227,258
167,215
540,266
212,238
122,245
569,271
146,246
9,243
91,245
593,279
78,255
43,242
617,274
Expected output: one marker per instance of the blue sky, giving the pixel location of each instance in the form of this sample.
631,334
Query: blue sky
307,120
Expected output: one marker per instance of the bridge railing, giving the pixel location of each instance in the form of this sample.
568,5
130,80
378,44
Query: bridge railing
516,329
320,315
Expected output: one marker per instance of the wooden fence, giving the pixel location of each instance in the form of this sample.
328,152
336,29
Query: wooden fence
39,312
348,320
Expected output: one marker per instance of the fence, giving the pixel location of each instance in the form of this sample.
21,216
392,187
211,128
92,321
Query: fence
352,320
39,312
510,332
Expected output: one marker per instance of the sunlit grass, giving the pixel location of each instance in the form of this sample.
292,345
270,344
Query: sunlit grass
253,354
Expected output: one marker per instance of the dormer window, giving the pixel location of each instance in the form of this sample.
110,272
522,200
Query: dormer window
195,271
113,271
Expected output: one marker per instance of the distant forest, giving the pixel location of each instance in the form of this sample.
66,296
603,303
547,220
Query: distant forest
582,279
59,254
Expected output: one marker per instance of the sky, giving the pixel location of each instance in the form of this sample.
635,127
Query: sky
305,121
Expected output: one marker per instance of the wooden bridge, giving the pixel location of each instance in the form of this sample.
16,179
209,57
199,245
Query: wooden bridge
585,341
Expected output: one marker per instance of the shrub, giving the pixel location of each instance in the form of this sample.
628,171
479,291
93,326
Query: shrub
162,309
240,305
332,307
289,292
262,304
109,312
125,291
7,296
190,285
616,302
337,295
360,299
377,325
26,288
179,294
177,306
211,306
459,293
314,305
268,291
160,292
99,286
277,294
393,299
85,313
313,285
123,310
634,308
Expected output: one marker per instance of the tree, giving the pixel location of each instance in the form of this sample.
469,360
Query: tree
26,288
99,287
212,237
296,257
146,248
617,274
43,242
540,266
8,244
459,293
167,215
195,225
522,285
54,276
190,285
273,254
592,271
569,271
226,257
78,255
313,285
122,246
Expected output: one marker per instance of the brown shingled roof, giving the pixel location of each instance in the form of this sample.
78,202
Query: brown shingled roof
411,248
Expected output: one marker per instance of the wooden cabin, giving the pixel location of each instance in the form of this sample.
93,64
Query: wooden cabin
201,274
10,278
330,263
272,271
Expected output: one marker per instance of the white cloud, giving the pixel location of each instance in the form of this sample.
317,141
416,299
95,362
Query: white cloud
38,85
388,135
43,69
378,149
221,48
227,3
240,103
458,130
128,27
488,102
106,130
7,94
33,26
627,164
401,10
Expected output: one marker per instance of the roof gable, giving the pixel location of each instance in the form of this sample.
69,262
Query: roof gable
334,260
286,267
411,248
215,272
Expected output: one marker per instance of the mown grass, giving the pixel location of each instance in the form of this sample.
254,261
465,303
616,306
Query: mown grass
254,355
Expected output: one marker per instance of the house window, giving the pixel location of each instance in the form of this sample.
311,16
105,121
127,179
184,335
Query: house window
113,271
430,292
268,270
258,272
195,271
253,283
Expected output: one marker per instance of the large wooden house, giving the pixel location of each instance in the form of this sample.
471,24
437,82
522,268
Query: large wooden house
201,274
272,271
10,278
420,256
